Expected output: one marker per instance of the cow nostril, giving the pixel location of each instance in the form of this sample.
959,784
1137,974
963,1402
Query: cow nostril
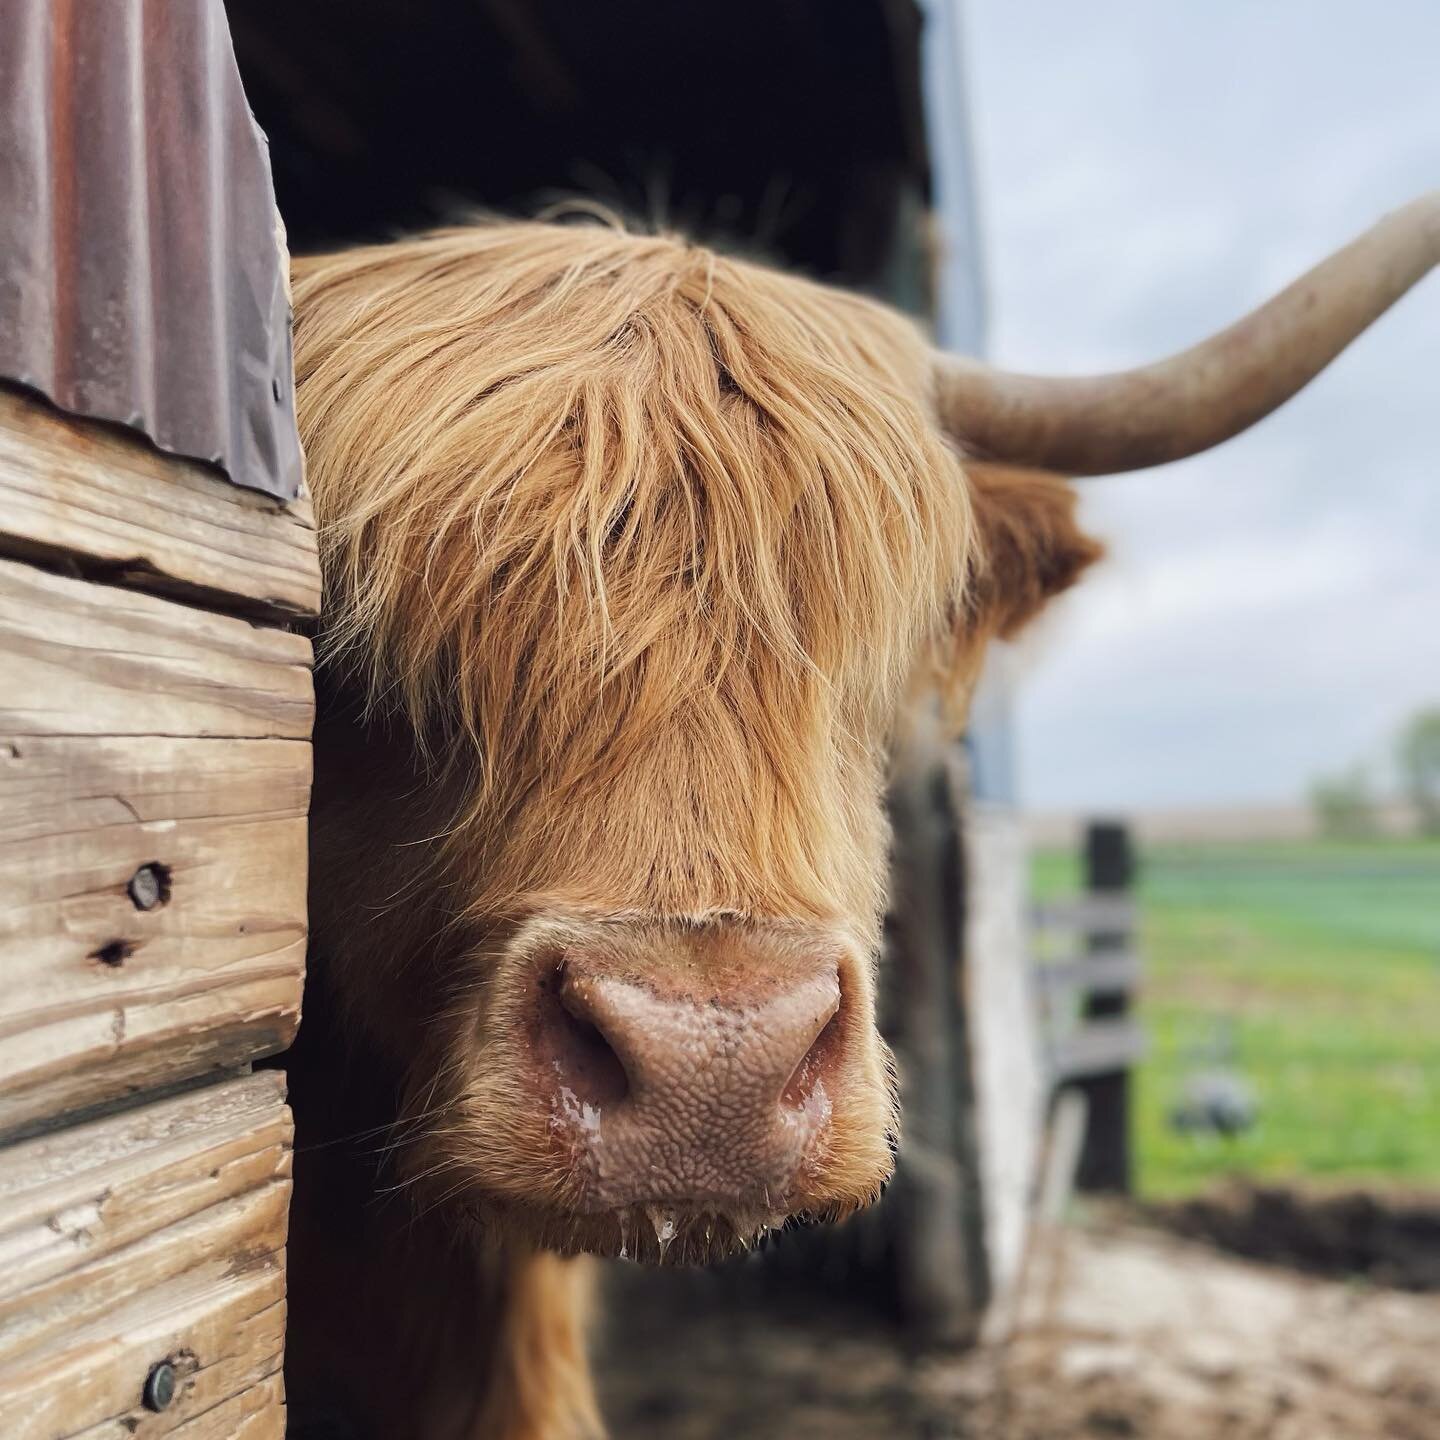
582,1058
821,1058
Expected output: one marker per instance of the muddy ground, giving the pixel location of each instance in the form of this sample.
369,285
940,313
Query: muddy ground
1123,1328
1389,1240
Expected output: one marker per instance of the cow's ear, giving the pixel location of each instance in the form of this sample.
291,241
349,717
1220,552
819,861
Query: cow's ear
1030,546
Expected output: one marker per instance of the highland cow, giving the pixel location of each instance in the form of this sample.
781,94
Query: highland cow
633,553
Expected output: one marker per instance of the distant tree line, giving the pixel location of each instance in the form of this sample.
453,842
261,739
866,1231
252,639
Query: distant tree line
1346,803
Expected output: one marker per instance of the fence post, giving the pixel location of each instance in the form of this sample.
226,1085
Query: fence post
1105,1163
942,1274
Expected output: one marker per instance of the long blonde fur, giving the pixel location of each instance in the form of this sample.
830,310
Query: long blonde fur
598,507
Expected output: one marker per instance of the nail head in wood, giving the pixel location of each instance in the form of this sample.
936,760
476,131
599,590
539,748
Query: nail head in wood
160,1386
149,886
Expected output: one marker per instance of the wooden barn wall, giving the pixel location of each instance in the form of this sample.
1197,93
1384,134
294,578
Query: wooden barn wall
155,715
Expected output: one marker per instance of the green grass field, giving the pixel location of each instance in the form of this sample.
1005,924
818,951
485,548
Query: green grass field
1314,970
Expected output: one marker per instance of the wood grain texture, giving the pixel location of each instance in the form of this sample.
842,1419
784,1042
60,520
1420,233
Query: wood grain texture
152,1235
256,1413
86,659
104,998
143,731
95,492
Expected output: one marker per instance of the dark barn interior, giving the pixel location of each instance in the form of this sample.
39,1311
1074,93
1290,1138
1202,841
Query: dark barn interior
794,129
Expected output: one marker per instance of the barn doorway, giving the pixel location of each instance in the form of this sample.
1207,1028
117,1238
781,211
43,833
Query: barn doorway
794,132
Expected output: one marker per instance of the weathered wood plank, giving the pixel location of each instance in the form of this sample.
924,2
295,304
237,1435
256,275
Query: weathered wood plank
256,1413
224,1335
93,491
152,1235
1086,912
1106,971
77,1206
104,997
86,659
1098,1047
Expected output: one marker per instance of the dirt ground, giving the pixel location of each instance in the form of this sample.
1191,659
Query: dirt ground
1121,1329
1390,1240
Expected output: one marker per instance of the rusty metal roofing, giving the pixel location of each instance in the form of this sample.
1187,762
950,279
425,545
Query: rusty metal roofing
142,279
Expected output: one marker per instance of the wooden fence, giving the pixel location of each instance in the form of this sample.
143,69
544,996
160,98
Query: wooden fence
1087,969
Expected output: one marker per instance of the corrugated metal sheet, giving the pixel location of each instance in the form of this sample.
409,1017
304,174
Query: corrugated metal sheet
141,279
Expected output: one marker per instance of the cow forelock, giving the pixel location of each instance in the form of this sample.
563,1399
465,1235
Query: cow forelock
645,538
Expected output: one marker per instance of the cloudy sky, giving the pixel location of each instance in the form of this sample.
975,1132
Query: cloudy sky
1148,170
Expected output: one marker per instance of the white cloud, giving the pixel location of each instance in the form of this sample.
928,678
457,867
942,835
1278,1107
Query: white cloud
1149,172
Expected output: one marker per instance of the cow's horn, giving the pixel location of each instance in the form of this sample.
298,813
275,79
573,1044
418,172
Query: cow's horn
1099,425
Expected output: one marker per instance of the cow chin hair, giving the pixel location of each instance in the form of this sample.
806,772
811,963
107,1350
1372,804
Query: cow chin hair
545,1209
637,1233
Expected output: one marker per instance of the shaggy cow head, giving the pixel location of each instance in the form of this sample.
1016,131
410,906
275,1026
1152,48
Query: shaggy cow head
632,552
